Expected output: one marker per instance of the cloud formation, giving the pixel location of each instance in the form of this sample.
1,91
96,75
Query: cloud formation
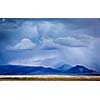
71,42
24,44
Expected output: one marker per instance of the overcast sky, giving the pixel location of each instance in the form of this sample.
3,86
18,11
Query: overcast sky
49,42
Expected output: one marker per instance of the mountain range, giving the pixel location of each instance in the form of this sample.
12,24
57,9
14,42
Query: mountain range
64,69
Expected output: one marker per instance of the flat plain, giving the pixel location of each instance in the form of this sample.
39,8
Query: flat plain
48,78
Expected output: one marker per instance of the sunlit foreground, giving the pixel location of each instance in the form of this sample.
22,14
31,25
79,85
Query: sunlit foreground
49,78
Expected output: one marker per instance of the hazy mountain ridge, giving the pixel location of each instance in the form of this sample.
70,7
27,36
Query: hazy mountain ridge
79,69
40,70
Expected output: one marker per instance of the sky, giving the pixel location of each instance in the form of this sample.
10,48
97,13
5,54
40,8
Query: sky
50,42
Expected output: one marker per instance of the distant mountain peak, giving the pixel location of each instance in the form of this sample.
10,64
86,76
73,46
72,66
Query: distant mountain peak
79,69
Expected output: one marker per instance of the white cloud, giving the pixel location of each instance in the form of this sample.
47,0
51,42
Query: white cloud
51,29
49,44
23,44
71,42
